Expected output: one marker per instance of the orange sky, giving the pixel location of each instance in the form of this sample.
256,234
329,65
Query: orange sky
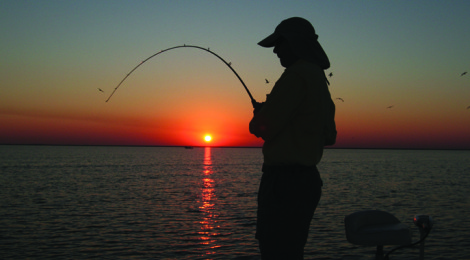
179,125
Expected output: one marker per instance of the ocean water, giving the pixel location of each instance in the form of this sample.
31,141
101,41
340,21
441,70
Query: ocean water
79,202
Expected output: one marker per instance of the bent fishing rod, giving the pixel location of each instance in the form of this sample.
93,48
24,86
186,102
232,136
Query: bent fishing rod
253,101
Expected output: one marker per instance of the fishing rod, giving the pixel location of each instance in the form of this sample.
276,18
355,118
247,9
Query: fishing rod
253,101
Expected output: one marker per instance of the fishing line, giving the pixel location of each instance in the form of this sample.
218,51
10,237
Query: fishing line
253,101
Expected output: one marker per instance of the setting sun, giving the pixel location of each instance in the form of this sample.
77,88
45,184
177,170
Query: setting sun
207,138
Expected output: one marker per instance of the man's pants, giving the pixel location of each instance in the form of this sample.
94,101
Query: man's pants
287,199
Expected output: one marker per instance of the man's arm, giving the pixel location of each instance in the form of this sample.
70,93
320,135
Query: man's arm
279,107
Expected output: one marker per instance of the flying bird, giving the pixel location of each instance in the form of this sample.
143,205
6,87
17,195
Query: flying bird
340,99
331,74
267,81
463,73
100,90
390,106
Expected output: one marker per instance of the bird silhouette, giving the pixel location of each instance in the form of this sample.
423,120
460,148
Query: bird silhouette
463,73
267,81
100,90
331,74
390,106
468,107
340,99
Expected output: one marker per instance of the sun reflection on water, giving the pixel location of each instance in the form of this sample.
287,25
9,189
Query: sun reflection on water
209,222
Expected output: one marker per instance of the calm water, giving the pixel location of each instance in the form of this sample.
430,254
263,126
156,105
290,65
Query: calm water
175,203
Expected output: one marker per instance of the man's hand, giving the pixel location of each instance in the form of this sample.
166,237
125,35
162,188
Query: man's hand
257,107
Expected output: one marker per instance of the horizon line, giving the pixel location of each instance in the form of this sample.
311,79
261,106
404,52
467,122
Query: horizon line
204,146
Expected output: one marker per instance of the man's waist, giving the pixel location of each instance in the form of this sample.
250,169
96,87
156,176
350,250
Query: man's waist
288,168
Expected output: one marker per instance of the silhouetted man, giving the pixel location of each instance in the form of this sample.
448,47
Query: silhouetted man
296,122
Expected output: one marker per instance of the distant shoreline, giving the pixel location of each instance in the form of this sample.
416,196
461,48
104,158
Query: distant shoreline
185,146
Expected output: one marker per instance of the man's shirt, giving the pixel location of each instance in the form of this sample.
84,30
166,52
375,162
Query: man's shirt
294,118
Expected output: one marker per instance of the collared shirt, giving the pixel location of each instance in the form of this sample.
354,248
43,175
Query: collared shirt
293,119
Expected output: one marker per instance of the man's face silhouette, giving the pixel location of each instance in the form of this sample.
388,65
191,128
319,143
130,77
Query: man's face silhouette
284,52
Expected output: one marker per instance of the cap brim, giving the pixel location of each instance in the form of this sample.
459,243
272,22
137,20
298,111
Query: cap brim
270,41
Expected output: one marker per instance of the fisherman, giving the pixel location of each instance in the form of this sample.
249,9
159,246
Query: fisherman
295,122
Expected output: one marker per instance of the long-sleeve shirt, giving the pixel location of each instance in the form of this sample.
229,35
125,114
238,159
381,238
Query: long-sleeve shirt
295,116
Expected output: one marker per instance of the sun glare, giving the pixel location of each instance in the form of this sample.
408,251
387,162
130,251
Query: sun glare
207,138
